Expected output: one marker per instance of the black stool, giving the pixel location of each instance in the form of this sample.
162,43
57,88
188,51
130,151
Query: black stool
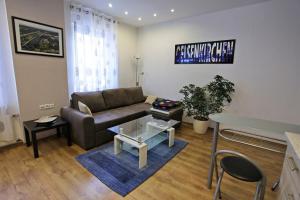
241,167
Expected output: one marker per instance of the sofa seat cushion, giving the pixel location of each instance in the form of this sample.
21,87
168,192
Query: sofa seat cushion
113,117
138,107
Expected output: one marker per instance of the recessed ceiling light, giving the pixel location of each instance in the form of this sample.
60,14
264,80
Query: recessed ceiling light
126,12
154,14
140,19
172,10
110,5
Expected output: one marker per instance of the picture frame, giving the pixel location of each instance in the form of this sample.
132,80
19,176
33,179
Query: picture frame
37,38
210,52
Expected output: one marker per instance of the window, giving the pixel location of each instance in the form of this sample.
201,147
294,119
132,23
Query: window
93,60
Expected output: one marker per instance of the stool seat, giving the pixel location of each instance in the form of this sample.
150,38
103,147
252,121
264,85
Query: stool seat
241,168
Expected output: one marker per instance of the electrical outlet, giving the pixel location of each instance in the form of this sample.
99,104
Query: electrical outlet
42,107
47,106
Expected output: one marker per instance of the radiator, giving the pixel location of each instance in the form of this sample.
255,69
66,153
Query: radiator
6,129
2,128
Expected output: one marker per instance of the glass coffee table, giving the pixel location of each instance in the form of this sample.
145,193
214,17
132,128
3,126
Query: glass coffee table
142,134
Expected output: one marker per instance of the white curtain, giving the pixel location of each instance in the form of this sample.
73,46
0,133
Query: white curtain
9,106
92,56
3,101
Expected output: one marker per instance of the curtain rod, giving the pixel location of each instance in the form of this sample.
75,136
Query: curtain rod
95,12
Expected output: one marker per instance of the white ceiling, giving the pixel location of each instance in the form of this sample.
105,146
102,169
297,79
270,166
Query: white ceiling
146,8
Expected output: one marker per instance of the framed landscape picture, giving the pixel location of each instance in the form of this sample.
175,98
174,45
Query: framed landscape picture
37,38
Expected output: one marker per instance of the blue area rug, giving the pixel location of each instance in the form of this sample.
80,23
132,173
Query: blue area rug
121,172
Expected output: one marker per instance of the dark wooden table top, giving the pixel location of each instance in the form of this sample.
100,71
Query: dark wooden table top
36,127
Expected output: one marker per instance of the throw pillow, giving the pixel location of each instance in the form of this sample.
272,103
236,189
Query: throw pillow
84,108
150,99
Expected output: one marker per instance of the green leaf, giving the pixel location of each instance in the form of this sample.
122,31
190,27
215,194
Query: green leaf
199,102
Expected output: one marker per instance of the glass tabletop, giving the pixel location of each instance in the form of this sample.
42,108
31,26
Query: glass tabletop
144,128
257,124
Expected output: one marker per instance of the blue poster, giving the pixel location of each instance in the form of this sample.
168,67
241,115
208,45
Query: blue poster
215,52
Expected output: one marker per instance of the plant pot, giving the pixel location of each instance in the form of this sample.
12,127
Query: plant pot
200,126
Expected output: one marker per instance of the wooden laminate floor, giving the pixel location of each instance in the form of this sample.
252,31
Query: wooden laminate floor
57,175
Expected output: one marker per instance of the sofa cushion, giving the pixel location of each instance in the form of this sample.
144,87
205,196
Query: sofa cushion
115,98
135,95
84,108
150,99
138,107
113,117
94,100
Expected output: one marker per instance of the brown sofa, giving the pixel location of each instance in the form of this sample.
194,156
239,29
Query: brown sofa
109,108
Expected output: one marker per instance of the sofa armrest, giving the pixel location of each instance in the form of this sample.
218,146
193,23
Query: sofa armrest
82,127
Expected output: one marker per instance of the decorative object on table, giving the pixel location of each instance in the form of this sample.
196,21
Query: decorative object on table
167,109
33,128
150,99
37,38
121,173
214,52
46,119
199,102
165,104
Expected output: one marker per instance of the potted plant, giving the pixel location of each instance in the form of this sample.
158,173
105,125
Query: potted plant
199,102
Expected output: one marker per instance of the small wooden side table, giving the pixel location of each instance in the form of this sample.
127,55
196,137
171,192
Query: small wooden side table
32,128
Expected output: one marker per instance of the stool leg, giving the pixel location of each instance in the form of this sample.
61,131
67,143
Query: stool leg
263,188
260,190
217,178
217,173
218,187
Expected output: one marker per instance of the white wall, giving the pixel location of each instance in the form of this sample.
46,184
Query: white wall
266,70
127,44
39,79
43,79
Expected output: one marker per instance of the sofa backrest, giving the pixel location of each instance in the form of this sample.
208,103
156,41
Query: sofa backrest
115,98
107,99
135,95
94,100
123,96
